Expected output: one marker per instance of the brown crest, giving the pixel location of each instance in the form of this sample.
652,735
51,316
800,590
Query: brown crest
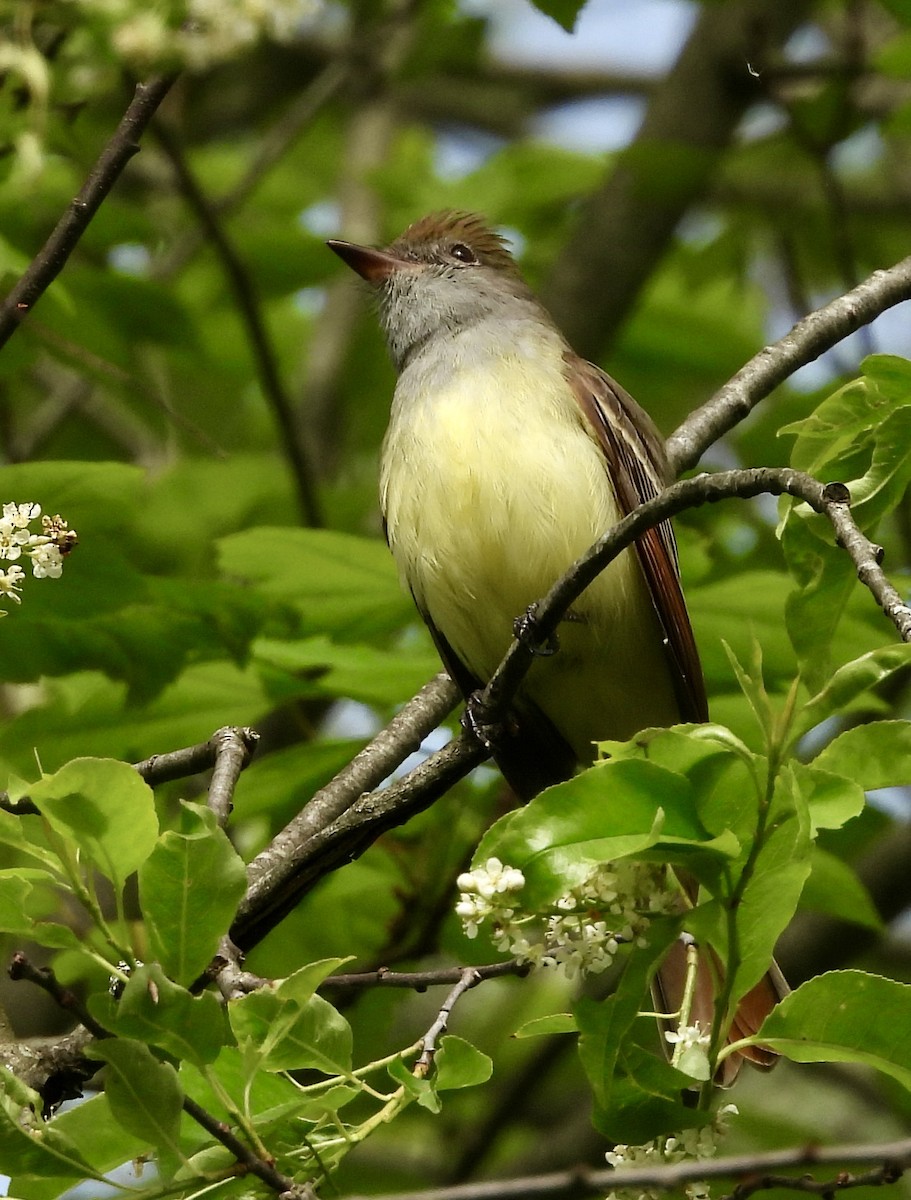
434,235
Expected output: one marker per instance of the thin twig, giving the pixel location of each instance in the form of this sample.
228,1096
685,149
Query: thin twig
176,764
233,750
248,307
469,978
270,149
420,981
52,257
754,1169
809,338
867,558
246,1158
22,968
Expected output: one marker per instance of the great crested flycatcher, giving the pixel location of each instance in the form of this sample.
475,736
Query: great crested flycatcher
507,455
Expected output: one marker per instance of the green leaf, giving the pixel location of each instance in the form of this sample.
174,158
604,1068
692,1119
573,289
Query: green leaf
29,1145
80,491
875,755
87,713
459,1064
189,889
544,1026
696,751
831,799
646,1100
281,1034
360,672
845,1016
19,834
300,986
861,435
90,1126
849,682
267,1098
773,891
614,809
564,12
343,585
605,1026
846,429
27,895
144,1094
834,888
814,610
155,1010
751,683
739,612
105,809
420,1089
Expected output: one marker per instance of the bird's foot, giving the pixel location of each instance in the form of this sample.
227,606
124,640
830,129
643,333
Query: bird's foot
525,630
477,720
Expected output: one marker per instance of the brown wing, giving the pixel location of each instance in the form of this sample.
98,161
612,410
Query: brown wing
634,453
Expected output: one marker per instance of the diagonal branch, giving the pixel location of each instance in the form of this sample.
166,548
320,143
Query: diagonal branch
22,968
250,312
468,978
754,1170
52,257
269,151
809,338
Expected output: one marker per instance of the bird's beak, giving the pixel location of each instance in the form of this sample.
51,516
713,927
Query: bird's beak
376,266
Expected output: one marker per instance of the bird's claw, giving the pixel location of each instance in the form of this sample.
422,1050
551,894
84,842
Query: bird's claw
525,630
477,721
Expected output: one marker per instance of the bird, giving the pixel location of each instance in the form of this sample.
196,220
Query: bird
507,455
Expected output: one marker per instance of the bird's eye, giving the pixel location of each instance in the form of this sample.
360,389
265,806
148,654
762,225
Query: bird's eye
463,253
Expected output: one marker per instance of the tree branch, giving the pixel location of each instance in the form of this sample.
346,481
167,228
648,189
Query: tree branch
366,771
468,978
233,750
754,1169
419,981
809,338
248,307
22,968
281,879
52,257
176,764
270,149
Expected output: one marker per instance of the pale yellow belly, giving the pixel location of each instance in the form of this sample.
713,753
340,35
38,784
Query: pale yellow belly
485,510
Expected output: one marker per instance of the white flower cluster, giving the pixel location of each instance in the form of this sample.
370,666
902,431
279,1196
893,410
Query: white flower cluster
691,1050
199,33
46,549
583,930
691,1143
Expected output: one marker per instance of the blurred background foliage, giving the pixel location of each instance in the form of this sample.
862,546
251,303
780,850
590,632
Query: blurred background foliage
203,392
